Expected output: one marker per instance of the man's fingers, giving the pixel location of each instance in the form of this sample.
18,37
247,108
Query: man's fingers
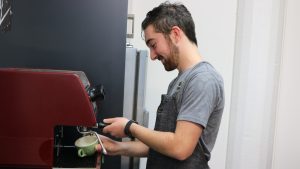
98,147
109,120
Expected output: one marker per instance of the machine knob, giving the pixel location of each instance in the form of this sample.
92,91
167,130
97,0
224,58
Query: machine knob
96,93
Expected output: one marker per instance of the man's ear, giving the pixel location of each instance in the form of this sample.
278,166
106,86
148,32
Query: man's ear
176,34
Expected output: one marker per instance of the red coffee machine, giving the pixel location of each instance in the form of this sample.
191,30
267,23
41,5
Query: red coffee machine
34,105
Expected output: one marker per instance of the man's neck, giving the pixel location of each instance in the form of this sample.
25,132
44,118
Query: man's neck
188,58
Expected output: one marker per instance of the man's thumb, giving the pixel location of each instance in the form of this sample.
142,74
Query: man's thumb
98,147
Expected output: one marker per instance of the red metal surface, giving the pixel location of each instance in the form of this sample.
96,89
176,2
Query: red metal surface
32,103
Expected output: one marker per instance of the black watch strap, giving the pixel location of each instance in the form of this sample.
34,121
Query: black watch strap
127,128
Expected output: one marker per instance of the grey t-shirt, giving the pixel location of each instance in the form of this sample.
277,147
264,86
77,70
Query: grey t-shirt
200,101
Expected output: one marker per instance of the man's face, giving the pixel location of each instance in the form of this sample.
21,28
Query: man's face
162,48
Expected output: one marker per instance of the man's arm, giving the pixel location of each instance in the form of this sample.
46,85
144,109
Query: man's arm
179,145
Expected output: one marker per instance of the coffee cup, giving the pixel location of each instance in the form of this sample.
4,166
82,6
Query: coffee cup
86,145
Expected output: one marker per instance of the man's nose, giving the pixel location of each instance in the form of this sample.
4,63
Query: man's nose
153,55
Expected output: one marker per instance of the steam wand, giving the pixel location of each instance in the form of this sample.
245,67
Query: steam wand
103,148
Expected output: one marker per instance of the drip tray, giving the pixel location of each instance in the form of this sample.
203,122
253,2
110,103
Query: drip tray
68,158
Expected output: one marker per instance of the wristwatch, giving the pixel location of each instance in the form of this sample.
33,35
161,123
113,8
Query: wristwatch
127,128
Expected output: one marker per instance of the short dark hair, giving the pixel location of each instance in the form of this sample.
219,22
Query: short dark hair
167,15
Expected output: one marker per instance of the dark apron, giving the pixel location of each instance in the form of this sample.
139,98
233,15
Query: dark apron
166,121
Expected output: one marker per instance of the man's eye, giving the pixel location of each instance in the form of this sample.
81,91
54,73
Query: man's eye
153,45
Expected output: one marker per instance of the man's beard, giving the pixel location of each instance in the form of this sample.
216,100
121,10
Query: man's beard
171,62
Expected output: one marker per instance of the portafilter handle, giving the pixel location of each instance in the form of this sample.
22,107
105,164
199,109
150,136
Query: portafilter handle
86,130
101,125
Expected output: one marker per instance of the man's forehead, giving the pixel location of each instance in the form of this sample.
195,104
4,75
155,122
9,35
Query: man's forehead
149,33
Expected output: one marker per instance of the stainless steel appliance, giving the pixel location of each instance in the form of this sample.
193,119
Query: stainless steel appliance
134,94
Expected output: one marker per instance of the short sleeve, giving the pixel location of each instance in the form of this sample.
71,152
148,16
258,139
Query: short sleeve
198,98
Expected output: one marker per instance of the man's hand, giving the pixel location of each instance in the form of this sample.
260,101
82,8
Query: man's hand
116,126
127,148
112,147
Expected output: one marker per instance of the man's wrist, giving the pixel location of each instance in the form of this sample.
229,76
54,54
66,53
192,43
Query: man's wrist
127,128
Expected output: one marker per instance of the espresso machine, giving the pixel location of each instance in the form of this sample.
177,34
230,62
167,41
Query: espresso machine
42,112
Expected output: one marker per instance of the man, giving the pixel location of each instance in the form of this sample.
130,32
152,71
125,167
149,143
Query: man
189,115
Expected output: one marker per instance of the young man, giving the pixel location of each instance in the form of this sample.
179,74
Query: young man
189,115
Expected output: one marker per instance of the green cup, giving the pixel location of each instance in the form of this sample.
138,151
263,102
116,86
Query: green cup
86,145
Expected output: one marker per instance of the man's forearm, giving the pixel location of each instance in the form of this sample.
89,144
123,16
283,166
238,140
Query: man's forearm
134,149
179,145
159,141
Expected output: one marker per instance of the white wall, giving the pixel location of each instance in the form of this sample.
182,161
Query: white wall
215,30
264,130
255,84
287,133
